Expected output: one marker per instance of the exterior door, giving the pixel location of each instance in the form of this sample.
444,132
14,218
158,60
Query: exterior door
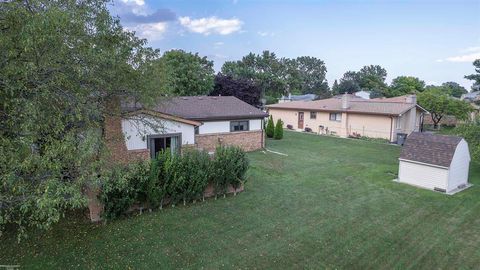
300,120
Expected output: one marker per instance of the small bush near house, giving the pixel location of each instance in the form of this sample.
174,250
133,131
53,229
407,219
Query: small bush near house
289,126
278,135
122,187
270,128
229,167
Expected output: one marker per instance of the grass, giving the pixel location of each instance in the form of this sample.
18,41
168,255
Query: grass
330,203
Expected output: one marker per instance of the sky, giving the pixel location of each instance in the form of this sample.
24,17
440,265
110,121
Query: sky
436,41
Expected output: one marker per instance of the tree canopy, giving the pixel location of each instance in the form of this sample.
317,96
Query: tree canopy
404,85
439,104
369,78
62,62
476,76
454,89
279,76
183,73
241,88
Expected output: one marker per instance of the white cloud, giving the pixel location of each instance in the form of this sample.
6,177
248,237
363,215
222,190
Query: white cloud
150,31
137,7
207,26
218,44
470,55
265,34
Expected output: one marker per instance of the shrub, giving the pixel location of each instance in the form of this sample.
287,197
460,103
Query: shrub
122,186
278,135
229,167
471,133
270,128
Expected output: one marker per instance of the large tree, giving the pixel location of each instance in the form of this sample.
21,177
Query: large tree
404,85
181,73
62,62
476,76
265,70
372,78
349,83
454,89
309,73
439,104
243,89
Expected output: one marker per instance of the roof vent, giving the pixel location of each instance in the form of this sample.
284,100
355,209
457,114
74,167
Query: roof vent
184,98
214,97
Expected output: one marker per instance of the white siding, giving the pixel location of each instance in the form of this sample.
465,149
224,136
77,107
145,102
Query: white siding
136,131
422,175
224,126
459,167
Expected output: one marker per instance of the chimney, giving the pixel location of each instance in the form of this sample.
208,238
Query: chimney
412,99
345,103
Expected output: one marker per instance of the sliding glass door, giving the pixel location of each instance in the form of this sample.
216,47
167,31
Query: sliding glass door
164,142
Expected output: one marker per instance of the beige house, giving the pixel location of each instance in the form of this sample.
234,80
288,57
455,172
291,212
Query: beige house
350,116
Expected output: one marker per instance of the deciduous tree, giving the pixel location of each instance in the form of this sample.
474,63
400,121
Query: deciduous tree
62,62
476,76
404,85
183,73
241,88
439,104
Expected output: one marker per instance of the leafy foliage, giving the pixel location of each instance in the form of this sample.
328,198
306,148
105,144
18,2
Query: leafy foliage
278,135
454,89
276,77
171,177
476,76
404,85
122,186
182,73
241,88
62,61
229,167
270,128
471,133
440,104
369,78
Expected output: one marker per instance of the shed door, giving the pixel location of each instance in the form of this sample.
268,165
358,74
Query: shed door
300,120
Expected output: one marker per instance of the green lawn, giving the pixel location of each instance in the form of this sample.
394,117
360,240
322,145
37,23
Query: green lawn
330,204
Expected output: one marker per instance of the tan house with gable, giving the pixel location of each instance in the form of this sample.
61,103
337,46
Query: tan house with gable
350,116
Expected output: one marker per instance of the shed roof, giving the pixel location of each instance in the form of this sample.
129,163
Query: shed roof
201,108
430,148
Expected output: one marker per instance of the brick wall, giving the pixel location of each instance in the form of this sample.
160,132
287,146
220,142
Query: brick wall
247,140
115,142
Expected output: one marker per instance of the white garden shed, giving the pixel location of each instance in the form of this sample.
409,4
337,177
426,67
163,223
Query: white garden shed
436,162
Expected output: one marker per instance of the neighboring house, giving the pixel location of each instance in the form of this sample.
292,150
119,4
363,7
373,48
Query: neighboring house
201,122
347,116
290,97
471,96
436,162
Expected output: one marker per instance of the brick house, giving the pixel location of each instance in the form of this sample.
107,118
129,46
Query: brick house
201,122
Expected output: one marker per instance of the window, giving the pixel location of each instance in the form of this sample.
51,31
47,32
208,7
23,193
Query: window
158,143
238,126
197,130
398,123
336,117
313,115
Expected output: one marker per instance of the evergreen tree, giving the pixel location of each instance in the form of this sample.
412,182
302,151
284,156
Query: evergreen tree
278,135
270,128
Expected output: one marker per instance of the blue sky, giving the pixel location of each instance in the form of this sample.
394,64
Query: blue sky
436,41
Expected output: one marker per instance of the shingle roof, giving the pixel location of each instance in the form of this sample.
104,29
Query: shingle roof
430,148
356,105
208,108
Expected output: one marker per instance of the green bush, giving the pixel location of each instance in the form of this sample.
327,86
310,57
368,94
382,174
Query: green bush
122,186
270,128
229,167
178,177
278,135
471,133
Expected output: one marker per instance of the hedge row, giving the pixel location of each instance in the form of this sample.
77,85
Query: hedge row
173,177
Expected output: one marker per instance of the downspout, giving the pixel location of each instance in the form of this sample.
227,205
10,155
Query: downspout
391,127
263,124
